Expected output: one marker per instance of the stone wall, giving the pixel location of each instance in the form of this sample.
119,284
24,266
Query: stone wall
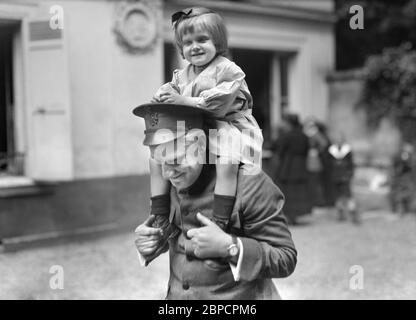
106,84
372,147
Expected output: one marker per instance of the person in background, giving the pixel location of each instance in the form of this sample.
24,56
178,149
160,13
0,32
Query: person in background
342,173
291,175
318,164
403,186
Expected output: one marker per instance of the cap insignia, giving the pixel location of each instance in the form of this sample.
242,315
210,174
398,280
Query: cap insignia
155,119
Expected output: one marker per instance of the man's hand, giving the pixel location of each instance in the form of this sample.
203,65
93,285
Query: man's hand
147,238
209,241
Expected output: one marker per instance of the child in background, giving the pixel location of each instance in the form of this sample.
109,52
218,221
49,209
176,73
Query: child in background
403,185
341,156
212,82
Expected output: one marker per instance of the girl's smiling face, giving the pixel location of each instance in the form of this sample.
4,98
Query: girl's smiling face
198,48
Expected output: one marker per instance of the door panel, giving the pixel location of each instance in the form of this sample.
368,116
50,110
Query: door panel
50,150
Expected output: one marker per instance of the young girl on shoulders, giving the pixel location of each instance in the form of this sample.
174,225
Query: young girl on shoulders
212,82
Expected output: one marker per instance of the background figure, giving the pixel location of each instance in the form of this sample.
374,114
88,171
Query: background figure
342,173
291,175
403,186
318,164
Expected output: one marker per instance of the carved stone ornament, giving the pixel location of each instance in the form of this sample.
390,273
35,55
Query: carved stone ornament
136,26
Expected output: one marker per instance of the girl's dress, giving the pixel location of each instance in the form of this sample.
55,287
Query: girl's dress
222,90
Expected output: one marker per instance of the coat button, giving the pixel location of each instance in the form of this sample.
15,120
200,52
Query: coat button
185,285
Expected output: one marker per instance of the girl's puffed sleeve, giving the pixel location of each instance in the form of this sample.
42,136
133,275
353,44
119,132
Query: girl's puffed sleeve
219,99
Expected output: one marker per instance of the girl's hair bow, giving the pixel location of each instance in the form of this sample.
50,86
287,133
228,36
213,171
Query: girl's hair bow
179,15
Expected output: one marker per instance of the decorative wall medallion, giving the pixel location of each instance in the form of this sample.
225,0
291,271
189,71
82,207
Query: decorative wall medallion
136,26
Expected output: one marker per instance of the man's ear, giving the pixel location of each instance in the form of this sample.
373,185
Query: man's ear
152,151
202,148
196,146
202,143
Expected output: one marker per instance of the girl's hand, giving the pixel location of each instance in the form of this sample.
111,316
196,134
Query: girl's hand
171,97
154,99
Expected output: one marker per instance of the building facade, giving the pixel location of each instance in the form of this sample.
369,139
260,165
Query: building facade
71,152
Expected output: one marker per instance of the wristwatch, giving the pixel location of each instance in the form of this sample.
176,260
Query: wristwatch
233,248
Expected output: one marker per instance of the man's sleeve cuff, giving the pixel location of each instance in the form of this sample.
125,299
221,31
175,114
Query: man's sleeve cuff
142,260
235,269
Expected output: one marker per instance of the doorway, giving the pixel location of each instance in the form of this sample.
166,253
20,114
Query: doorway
257,65
10,161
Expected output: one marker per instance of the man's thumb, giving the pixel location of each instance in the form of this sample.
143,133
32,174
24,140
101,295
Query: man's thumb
149,220
204,220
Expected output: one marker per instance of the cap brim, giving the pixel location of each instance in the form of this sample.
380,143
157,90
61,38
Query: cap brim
141,110
161,136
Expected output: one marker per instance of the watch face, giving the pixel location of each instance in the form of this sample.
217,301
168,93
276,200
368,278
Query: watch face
233,250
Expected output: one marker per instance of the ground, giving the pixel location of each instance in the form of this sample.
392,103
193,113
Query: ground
328,251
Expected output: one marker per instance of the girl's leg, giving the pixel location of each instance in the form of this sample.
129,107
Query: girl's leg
340,205
160,197
224,193
353,210
158,185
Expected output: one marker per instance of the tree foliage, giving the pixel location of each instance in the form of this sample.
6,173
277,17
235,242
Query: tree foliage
386,24
390,89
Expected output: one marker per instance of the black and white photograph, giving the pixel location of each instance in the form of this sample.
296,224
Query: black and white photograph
207,150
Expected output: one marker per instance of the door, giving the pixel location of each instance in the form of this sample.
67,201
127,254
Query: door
50,144
6,110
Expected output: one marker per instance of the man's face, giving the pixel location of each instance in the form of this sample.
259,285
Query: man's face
198,48
179,166
181,175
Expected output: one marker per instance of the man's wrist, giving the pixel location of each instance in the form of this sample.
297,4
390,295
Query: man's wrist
233,250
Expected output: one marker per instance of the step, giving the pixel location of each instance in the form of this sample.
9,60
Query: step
20,186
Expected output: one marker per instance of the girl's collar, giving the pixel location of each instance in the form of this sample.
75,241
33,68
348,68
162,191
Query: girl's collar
202,68
339,152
